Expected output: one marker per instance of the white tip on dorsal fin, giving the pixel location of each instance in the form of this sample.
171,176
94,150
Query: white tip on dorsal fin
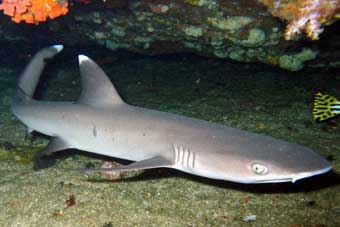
97,89
82,58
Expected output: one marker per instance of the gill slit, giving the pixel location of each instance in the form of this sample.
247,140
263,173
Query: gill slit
184,156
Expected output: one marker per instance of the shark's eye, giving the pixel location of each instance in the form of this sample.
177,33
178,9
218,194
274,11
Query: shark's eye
259,169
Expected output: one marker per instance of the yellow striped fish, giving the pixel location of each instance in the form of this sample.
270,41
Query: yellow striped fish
325,107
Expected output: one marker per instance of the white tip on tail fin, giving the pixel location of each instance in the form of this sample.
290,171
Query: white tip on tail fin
82,58
58,47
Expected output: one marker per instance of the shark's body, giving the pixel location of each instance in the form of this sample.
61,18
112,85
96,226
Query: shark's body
100,122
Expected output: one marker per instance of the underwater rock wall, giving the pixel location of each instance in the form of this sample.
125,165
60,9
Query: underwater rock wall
239,30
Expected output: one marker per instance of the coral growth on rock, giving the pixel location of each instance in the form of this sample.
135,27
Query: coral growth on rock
34,11
244,31
305,15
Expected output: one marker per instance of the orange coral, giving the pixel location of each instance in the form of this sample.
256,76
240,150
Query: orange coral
34,11
305,15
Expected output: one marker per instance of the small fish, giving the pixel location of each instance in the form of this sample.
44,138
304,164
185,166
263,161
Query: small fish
325,107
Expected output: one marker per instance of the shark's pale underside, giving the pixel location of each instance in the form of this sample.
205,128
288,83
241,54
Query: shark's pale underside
101,122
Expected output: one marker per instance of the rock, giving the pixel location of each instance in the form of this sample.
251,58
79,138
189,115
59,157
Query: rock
244,31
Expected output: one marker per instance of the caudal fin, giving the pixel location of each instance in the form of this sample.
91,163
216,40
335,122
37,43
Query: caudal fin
325,107
29,79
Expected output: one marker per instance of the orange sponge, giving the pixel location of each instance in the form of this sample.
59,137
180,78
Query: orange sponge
34,11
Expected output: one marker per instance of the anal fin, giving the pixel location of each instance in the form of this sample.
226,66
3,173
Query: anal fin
151,163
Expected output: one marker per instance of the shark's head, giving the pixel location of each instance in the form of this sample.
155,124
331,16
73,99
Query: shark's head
269,161
289,163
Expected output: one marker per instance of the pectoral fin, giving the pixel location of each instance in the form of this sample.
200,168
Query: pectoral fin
151,163
55,144
41,159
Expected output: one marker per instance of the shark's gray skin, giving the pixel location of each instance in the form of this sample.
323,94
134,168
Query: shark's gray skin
101,122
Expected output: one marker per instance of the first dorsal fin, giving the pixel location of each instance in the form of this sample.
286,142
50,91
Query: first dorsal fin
97,89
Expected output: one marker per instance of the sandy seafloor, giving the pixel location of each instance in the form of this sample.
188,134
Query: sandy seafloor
253,97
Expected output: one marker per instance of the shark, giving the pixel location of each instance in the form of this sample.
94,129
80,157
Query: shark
101,122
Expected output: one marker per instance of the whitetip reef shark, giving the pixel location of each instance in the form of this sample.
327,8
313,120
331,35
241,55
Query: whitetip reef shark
101,122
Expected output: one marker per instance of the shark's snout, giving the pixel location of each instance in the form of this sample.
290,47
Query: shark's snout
303,175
